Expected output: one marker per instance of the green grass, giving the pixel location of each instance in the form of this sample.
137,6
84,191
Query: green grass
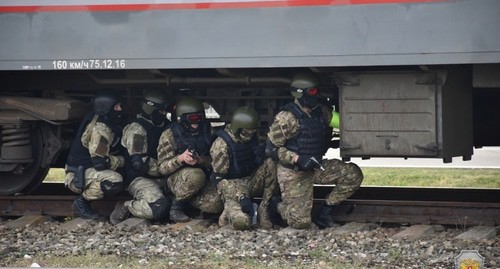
96,260
422,177
432,177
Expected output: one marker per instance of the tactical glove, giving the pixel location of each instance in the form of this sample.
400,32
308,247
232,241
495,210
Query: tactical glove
305,163
101,163
137,162
246,206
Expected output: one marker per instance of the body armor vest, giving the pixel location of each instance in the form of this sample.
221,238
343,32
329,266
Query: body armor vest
153,134
310,140
242,158
78,154
200,142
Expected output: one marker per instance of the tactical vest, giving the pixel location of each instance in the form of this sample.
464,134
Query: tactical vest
310,140
153,135
116,147
242,159
78,154
200,142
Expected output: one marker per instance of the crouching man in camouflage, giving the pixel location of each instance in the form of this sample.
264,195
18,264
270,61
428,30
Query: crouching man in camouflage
90,167
241,172
142,178
183,155
297,139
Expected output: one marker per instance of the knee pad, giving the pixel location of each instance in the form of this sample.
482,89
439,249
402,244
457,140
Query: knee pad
111,188
160,208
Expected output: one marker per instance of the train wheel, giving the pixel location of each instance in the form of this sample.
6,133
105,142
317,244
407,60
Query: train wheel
26,176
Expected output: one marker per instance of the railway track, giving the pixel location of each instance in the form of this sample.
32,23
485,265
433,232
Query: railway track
464,207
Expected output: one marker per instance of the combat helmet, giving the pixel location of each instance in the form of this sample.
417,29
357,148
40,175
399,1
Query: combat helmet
154,100
104,101
189,110
188,105
304,88
244,118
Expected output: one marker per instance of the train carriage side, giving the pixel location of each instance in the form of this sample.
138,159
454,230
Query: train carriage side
410,78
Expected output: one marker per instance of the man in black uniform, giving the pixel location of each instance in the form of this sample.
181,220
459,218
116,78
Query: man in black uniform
91,166
142,178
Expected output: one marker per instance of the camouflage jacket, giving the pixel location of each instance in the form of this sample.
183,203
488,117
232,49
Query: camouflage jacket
220,153
285,126
133,131
99,139
167,155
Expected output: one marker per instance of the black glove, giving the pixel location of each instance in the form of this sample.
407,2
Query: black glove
137,162
305,163
101,163
246,205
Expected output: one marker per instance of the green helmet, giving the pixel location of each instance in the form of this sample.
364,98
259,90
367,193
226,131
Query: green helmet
244,118
188,105
154,100
302,81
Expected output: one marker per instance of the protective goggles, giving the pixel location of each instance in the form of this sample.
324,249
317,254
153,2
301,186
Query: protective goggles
157,105
309,91
193,118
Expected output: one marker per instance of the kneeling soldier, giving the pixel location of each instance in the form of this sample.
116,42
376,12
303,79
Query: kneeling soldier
95,154
241,172
140,138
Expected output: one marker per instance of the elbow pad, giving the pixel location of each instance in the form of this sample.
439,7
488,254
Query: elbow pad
101,163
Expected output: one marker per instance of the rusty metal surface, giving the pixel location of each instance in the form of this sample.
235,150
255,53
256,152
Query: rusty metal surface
57,206
418,212
25,108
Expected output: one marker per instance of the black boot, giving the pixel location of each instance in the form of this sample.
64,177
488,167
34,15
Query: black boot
323,217
119,214
82,208
177,212
272,210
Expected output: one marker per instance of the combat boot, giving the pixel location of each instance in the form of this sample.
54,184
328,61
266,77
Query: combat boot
272,210
263,215
323,217
82,208
119,214
177,212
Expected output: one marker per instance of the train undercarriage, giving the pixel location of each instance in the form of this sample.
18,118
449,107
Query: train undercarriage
401,111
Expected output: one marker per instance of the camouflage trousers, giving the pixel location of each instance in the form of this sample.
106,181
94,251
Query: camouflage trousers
191,184
297,189
145,191
263,182
93,179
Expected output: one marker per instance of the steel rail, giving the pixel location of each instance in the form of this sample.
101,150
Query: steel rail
369,204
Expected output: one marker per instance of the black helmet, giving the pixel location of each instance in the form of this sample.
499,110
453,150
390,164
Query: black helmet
244,118
154,100
304,88
104,101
